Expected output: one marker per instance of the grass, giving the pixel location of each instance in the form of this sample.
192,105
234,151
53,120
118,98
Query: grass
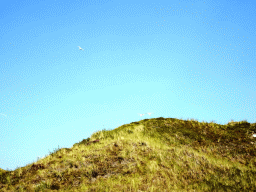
158,154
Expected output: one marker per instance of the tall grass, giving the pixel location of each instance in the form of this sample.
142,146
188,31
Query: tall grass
159,154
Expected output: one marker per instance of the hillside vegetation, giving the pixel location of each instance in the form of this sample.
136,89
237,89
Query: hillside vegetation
158,154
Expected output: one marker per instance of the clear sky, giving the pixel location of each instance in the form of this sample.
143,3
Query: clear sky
189,59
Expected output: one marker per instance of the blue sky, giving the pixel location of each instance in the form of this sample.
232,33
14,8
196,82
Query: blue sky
188,59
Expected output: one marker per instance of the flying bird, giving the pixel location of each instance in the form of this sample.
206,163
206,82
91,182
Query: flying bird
3,114
150,114
141,114
80,48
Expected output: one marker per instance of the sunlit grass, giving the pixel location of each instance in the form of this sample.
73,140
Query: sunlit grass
159,154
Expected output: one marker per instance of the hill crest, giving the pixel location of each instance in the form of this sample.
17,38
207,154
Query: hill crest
155,154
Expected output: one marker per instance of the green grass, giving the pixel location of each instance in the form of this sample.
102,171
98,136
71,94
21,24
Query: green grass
158,154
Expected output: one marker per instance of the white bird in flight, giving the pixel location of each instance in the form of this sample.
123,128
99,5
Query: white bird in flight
80,48
150,114
3,114
141,114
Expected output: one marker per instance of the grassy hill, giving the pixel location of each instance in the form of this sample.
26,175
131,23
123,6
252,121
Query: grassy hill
160,154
